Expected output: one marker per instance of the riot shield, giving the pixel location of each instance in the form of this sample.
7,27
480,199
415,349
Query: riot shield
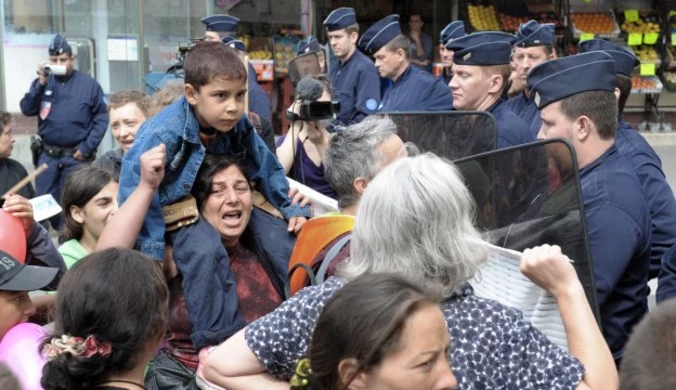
303,65
530,195
452,134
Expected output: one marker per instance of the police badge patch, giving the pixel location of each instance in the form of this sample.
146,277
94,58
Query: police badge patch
45,107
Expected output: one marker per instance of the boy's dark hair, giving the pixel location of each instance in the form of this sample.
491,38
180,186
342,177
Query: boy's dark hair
211,165
5,119
122,98
120,297
81,186
649,361
623,83
599,106
207,61
364,321
399,42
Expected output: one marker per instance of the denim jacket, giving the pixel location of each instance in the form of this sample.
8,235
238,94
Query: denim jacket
177,128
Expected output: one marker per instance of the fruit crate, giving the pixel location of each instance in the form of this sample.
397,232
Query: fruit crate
483,17
648,25
646,85
284,51
646,54
510,23
601,24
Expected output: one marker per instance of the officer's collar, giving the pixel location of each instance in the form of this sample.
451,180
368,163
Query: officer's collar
404,75
600,160
496,104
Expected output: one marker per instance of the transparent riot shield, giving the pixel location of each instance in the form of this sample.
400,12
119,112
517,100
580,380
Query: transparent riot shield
303,65
530,195
452,134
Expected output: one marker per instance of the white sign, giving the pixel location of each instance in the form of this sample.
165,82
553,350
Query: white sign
44,207
122,49
321,203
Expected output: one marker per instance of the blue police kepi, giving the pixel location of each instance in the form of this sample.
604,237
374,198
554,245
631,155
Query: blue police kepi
452,31
616,213
530,34
413,89
489,49
259,100
354,78
648,168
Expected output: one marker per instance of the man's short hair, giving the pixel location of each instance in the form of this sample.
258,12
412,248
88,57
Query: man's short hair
501,70
399,42
207,61
122,98
353,28
353,153
623,83
599,106
649,360
5,120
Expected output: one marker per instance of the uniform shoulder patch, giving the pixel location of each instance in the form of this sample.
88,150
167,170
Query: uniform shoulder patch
371,104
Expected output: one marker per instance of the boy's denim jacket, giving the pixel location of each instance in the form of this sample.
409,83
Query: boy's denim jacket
177,128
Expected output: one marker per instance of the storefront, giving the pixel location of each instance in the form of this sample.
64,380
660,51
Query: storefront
120,41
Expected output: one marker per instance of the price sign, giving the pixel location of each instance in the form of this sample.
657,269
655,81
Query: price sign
648,69
631,15
635,39
650,38
586,37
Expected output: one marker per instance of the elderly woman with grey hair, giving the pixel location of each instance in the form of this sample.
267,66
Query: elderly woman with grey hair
416,217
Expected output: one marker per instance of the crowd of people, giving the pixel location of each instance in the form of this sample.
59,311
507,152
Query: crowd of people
172,270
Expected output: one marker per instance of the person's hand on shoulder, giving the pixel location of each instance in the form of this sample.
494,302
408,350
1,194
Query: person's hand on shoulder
550,269
20,208
152,167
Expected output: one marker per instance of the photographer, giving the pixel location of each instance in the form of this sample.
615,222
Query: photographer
302,149
72,118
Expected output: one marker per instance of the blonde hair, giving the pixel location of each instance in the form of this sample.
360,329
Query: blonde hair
168,94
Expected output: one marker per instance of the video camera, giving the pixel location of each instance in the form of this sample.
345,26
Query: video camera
314,111
184,49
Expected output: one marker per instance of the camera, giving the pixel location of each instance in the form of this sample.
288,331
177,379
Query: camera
56,70
315,111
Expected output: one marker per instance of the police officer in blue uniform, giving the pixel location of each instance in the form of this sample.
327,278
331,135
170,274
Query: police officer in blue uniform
453,30
354,78
576,102
311,45
412,89
219,27
72,118
481,67
648,168
533,46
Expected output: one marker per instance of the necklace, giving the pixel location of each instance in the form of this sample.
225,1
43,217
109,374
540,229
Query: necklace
122,381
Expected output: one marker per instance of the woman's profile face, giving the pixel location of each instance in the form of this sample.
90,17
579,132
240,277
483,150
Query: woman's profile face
419,360
228,206
97,212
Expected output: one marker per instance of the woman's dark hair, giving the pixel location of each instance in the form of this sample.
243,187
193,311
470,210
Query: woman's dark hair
211,165
5,119
81,186
119,296
363,321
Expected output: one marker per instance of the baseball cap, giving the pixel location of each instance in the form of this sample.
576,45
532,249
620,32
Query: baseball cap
15,276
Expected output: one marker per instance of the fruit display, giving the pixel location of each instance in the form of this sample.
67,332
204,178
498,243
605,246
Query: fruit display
645,85
511,23
597,23
646,53
285,51
483,18
648,25
260,55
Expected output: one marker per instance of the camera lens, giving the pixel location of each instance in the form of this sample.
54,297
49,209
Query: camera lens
46,69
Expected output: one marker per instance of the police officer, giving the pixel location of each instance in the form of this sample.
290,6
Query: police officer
481,69
453,30
533,46
311,45
72,117
576,102
219,26
412,89
354,77
647,166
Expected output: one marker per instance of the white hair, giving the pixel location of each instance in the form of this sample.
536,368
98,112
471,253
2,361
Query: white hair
417,218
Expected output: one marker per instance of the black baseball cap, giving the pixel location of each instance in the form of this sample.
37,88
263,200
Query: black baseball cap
15,276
